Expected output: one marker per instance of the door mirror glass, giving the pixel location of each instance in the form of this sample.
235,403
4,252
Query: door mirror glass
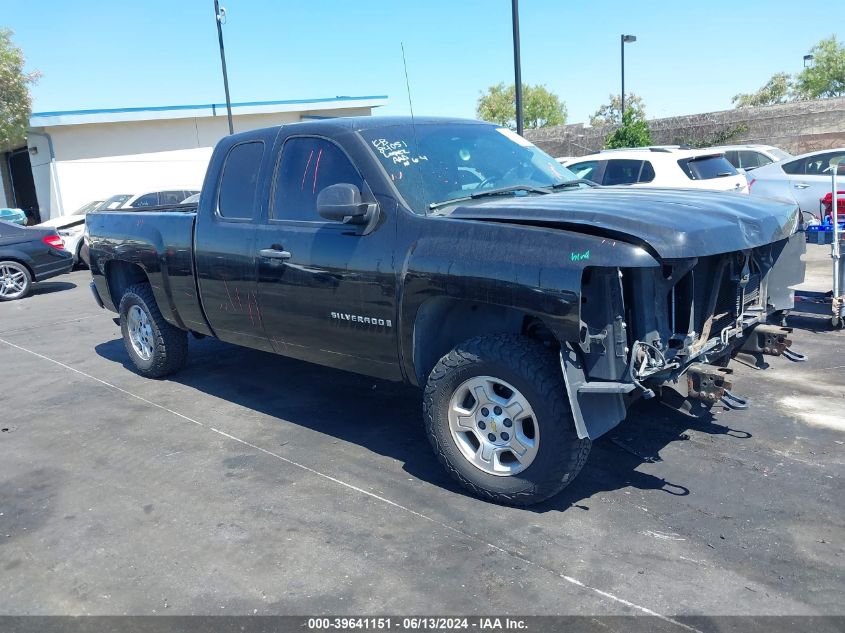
341,202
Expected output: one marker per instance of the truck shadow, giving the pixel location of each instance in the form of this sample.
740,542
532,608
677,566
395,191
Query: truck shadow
386,417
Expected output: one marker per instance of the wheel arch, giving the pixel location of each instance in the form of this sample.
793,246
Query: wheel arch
443,322
19,260
120,275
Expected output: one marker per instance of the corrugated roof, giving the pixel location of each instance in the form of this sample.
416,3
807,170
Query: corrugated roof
113,115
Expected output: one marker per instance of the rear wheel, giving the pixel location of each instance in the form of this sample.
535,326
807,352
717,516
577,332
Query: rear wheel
155,347
498,418
15,281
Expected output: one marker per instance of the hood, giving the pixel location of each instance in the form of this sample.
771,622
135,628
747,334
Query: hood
674,223
62,221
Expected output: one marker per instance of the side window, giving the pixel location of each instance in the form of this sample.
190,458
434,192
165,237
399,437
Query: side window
647,173
820,165
171,197
240,180
307,166
585,169
795,166
621,172
750,160
733,157
148,200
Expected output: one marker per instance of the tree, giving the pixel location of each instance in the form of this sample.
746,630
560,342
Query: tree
826,76
633,132
540,107
15,101
611,113
777,90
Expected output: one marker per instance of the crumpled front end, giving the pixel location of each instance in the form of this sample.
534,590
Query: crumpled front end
677,326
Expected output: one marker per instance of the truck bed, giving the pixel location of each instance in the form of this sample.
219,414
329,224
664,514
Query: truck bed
159,240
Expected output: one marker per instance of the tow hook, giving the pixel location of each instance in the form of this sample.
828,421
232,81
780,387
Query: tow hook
708,383
772,339
733,401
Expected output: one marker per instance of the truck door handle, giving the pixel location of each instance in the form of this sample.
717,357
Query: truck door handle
801,185
274,253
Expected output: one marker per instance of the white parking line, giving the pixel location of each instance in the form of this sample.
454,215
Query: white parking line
398,506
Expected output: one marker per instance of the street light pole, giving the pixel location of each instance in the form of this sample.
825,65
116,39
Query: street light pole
808,60
517,66
624,39
218,18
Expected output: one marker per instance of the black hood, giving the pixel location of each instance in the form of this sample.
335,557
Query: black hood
674,223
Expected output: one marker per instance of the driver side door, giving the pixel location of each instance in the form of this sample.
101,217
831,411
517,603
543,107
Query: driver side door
327,290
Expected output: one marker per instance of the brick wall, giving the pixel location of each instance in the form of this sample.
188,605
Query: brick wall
797,127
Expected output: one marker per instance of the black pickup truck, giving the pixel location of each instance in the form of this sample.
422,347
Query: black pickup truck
532,308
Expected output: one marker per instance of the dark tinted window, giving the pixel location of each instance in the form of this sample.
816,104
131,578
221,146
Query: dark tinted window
171,197
707,167
749,159
148,200
795,166
585,169
622,172
647,173
240,180
818,165
732,157
307,166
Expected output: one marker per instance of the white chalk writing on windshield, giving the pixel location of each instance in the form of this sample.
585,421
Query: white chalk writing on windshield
397,151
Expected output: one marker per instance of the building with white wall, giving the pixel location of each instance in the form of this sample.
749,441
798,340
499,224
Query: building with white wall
84,155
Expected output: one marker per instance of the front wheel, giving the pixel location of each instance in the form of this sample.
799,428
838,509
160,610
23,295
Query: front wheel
155,347
499,420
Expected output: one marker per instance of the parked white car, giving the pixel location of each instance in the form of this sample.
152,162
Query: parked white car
172,195
803,179
664,166
72,228
751,156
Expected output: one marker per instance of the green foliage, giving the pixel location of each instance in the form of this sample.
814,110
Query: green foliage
825,77
541,108
611,113
15,101
722,137
777,90
633,132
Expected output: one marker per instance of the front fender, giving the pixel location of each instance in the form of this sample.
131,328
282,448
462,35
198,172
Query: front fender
535,270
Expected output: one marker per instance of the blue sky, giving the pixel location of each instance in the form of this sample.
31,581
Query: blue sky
690,56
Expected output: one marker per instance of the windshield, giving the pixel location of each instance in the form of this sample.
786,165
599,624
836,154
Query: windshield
114,202
435,162
87,207
779,154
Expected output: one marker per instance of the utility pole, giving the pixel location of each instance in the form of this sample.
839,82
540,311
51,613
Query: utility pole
517,66
218,17
624,39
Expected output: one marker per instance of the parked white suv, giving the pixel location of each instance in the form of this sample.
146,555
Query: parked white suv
660,167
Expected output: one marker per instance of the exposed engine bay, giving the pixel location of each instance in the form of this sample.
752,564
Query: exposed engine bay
676,326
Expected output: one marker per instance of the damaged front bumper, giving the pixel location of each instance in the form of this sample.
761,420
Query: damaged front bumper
677,327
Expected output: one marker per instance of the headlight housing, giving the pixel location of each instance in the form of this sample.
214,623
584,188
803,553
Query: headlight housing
72,231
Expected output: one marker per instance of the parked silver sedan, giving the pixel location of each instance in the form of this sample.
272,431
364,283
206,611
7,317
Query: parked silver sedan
803,179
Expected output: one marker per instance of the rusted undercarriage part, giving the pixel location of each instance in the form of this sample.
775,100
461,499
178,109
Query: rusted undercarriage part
709,384
772,340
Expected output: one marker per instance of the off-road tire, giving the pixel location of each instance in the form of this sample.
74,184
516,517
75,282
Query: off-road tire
170,346
535,371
